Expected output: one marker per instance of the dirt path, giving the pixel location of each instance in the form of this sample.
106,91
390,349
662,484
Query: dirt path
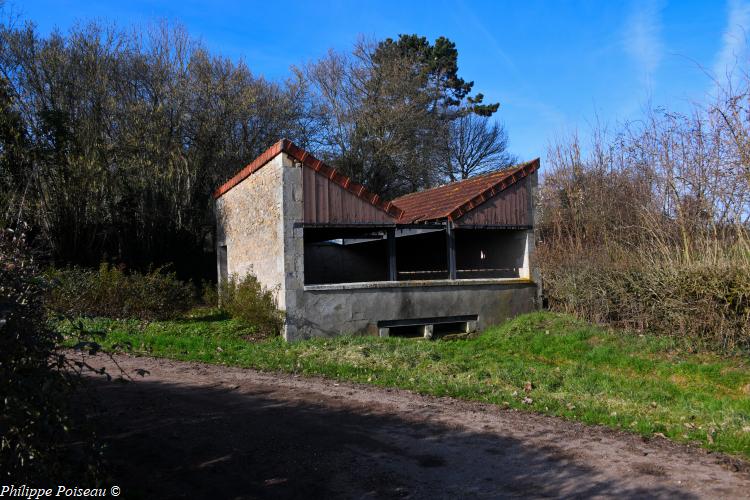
188,430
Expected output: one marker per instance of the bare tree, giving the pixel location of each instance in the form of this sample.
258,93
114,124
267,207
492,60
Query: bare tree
476,146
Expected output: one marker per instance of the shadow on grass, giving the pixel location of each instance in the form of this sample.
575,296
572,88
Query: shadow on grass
198,441
209,317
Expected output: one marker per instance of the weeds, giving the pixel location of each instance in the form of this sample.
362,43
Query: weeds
40,436
247,300
111,292
649,229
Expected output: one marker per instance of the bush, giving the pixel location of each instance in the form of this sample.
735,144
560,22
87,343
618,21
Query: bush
647,227
209,294
110,292
246,299
35,418
701,301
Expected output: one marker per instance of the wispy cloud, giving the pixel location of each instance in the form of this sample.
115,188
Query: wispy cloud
477,26
733,52
642,38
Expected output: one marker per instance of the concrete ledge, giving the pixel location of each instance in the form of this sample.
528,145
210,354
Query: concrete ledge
417,284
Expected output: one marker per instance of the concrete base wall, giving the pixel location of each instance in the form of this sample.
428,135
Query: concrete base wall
330,310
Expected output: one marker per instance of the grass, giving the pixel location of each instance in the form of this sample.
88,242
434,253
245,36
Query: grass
644,384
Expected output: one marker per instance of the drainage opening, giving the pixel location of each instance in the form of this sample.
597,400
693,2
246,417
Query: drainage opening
409,331
449,328
427,327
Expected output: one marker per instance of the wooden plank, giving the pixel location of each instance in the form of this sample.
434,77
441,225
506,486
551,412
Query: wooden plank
509,207
325,202
308,194
530,199
334,202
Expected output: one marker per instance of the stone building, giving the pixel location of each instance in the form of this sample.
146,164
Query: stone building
343,261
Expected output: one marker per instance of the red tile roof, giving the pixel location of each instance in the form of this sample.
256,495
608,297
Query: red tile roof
453,200
450,201
309,161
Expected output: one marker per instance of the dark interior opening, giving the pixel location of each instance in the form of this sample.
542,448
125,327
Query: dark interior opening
441,329
410,331
489,253
355,254
345,255
438,330
421,254
223,269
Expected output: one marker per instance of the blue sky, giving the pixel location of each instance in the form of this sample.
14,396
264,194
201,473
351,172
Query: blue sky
555,67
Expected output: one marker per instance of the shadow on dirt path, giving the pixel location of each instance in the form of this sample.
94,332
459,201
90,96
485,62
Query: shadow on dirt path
182,433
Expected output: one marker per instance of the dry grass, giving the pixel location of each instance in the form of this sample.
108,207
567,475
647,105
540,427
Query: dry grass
706,300
650,229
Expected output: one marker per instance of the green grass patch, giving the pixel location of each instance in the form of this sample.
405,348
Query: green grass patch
639,383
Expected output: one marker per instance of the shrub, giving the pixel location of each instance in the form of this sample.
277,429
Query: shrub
647,227
703,300
35,415
246,299
111,292
209,294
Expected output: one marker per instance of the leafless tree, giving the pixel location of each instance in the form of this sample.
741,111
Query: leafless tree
476,146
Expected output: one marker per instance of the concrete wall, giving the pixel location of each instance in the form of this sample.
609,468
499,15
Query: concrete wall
250,224
329,310
294,248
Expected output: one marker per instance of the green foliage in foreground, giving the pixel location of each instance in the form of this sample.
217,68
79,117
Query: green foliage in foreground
109,291
247,300
42,438
644,384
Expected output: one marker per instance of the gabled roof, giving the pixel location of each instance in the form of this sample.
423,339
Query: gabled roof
309,161
453,200
450,201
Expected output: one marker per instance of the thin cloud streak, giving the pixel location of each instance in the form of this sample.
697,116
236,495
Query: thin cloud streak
642,40
733,52
467,14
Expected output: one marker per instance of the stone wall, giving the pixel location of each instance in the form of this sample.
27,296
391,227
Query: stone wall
250,224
